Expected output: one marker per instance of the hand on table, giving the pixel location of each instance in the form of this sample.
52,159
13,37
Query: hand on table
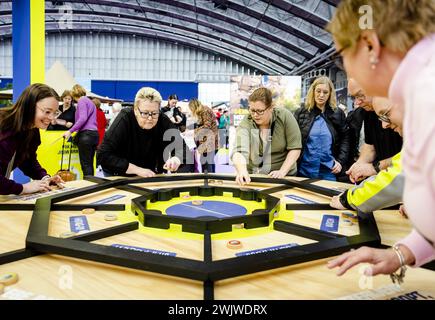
360,170
36,186
145,173
384,261
55,180
243,178
277,174
335,203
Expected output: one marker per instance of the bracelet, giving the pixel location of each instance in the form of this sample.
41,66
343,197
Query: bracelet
399,277
46,177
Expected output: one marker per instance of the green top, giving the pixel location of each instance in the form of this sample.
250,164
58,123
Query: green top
284,134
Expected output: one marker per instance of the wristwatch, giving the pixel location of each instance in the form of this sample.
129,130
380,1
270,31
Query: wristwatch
376,166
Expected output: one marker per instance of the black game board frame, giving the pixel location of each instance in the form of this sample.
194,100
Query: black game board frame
207,271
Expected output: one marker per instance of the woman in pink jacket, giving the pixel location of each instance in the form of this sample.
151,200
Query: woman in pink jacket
389,48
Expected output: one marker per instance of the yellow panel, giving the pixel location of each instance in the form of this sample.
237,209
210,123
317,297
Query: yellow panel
37,41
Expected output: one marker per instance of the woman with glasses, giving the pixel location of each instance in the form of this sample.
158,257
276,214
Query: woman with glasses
35,108
67,118
205,134
141,141
86,128
268,140
395,58
325,136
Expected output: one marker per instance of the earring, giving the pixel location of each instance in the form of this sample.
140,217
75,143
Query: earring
373,61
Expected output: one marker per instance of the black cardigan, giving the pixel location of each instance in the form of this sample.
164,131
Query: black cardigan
125,142
336,121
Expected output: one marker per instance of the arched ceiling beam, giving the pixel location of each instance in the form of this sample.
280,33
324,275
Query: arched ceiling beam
213,14
301,12
287,60
256,60
215,47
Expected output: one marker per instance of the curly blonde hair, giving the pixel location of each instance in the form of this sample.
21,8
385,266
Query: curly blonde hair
399,24
196,107
310,103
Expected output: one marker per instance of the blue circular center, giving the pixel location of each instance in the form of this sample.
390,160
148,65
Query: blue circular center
218,209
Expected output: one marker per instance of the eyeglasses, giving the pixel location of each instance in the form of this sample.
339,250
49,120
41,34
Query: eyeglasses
359,96
259,112
147,114
50,114
385,117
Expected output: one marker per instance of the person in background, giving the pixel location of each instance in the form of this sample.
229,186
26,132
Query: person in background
218,115
205,134
224,124
67,118
325,136
395,59
86,128
20,123
182,124
173,113
101,120
116,108
354,121
136,142
268,140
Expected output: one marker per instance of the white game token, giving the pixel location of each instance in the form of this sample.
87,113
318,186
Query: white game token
110,217
67,234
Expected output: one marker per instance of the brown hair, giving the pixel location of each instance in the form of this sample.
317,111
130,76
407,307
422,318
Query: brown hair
310,102
97,102
262,94
20,117
66,93
399,24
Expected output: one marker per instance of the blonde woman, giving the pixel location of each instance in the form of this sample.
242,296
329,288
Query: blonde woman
205,134
325,136
86,127
395,58
136,143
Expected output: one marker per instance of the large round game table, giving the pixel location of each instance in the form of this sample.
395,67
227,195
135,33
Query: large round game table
195,237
